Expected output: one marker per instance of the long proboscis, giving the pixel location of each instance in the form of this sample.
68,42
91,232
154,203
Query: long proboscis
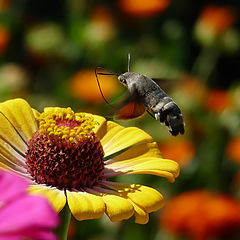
99,86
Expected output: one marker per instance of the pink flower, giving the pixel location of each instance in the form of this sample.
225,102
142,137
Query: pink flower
23,215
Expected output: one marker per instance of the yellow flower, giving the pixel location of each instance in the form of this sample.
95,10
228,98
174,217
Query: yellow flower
69,157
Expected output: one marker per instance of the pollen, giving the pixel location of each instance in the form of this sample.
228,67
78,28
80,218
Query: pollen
65,124
65,152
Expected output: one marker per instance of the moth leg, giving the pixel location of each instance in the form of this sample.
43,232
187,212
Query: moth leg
157,115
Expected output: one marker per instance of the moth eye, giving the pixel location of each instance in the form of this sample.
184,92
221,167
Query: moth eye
122,79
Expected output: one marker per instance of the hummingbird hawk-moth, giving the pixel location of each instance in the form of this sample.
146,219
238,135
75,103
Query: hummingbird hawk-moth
146,95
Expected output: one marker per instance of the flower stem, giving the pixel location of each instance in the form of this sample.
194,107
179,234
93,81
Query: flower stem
66,217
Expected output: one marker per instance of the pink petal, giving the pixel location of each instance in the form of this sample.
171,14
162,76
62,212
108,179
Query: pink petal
10,237
11,185
37,235
25,214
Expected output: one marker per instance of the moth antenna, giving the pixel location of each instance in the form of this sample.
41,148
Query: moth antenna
18,133
129,60
111,73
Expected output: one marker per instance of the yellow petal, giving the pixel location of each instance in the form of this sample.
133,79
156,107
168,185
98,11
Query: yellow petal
143,159
85,205
160,167
141,216
4,166
118,138
136,154
11,168
10,157
99,129
14,168
51,110
20,115
108,128
168,175
117,208
35,113
56,197
146,198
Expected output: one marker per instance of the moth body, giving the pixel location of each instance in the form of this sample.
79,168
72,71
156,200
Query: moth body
155,100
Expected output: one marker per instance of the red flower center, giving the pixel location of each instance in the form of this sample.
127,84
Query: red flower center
65,153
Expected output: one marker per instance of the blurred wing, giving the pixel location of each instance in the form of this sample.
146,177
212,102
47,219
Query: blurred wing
131,110
166,84
131,107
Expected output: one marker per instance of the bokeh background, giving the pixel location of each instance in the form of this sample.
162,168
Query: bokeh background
48,53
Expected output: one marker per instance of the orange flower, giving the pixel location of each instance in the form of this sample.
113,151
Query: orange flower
189,92
4,5
212,25
218,19
202,215
217,101
83,85
237,179
102,14
101,27
193,86
4,38
233,149
179,150
142,8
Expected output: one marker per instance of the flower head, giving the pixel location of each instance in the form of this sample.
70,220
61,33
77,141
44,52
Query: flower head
14,79
217,18
4,38
100,28
62,131
39,217
214,21
202,215
69,156
217,101
180,150
232,149
45,40
141,8
190,92
84,80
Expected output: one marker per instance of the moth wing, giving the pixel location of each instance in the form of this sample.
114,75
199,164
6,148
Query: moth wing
166,84
131,107
131,110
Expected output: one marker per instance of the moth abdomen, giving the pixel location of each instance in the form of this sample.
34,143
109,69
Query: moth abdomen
170,115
